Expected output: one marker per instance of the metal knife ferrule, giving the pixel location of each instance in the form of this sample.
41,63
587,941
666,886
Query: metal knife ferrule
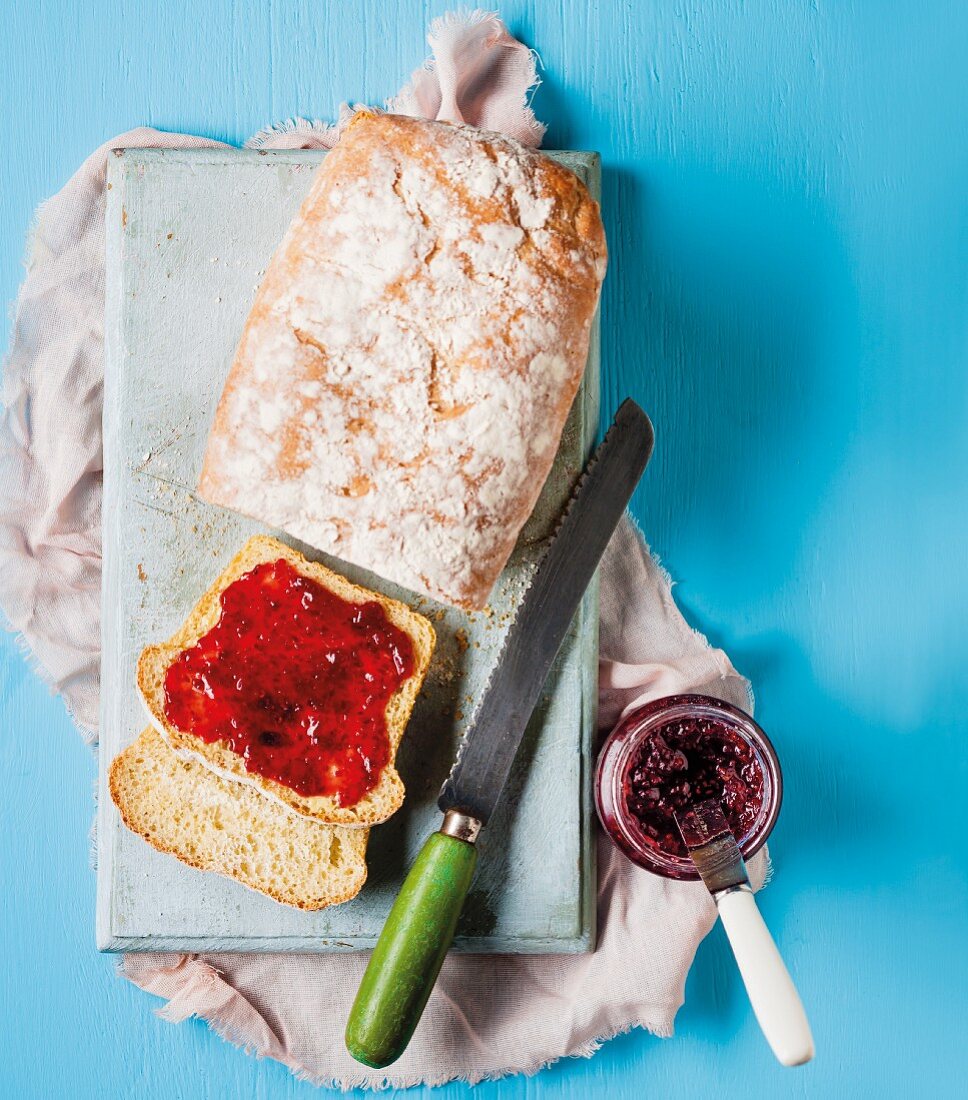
720,894
461,826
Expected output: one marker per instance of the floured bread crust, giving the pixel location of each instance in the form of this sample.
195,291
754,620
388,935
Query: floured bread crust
405,374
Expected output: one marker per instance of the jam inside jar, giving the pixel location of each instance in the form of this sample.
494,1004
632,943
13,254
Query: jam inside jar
672,753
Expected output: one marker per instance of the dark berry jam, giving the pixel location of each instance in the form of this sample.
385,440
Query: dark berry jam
686,761
296,681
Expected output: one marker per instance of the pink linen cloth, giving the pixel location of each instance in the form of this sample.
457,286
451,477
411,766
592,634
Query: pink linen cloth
489,1015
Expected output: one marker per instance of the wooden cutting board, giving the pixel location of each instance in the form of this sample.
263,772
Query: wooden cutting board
189,234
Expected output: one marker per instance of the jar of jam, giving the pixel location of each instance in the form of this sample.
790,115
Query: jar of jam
672,753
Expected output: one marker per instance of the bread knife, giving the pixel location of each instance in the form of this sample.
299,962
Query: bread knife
420,927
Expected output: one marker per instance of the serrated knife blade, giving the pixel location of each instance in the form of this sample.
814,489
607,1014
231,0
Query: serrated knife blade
545,613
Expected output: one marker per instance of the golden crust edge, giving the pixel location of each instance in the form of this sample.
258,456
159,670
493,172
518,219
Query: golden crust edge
205,614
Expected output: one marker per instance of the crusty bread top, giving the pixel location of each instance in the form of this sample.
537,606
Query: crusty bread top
377,804
407,368
183,809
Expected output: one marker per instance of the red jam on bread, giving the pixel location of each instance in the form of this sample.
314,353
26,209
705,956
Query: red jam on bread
296,680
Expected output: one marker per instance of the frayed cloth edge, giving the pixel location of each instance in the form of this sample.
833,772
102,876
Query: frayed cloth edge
39,669
34,663
294,125
587,1049
218,1021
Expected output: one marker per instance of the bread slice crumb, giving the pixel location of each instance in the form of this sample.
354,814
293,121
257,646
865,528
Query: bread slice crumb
184,810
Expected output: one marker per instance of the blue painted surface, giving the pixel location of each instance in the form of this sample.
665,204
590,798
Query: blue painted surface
785,198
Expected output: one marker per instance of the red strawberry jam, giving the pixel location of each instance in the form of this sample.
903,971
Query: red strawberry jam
684,762
296,681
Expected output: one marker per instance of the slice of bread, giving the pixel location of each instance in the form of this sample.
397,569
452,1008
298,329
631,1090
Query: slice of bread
181,808
377,804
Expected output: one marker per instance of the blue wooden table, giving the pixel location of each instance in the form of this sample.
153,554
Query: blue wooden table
785,196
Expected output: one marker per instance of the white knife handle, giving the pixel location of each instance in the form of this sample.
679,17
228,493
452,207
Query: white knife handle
772,993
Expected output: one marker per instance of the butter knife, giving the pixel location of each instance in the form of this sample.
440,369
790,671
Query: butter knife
776,1003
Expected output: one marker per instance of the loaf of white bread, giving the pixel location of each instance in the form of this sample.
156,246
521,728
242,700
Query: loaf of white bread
404,376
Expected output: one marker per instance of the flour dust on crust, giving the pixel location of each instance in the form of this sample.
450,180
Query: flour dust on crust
406,371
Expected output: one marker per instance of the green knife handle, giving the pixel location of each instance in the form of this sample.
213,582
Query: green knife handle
410,951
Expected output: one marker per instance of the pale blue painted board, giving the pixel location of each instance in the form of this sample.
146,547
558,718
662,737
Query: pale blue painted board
189,234
785,204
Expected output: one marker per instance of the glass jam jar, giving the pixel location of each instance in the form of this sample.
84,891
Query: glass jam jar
674,751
